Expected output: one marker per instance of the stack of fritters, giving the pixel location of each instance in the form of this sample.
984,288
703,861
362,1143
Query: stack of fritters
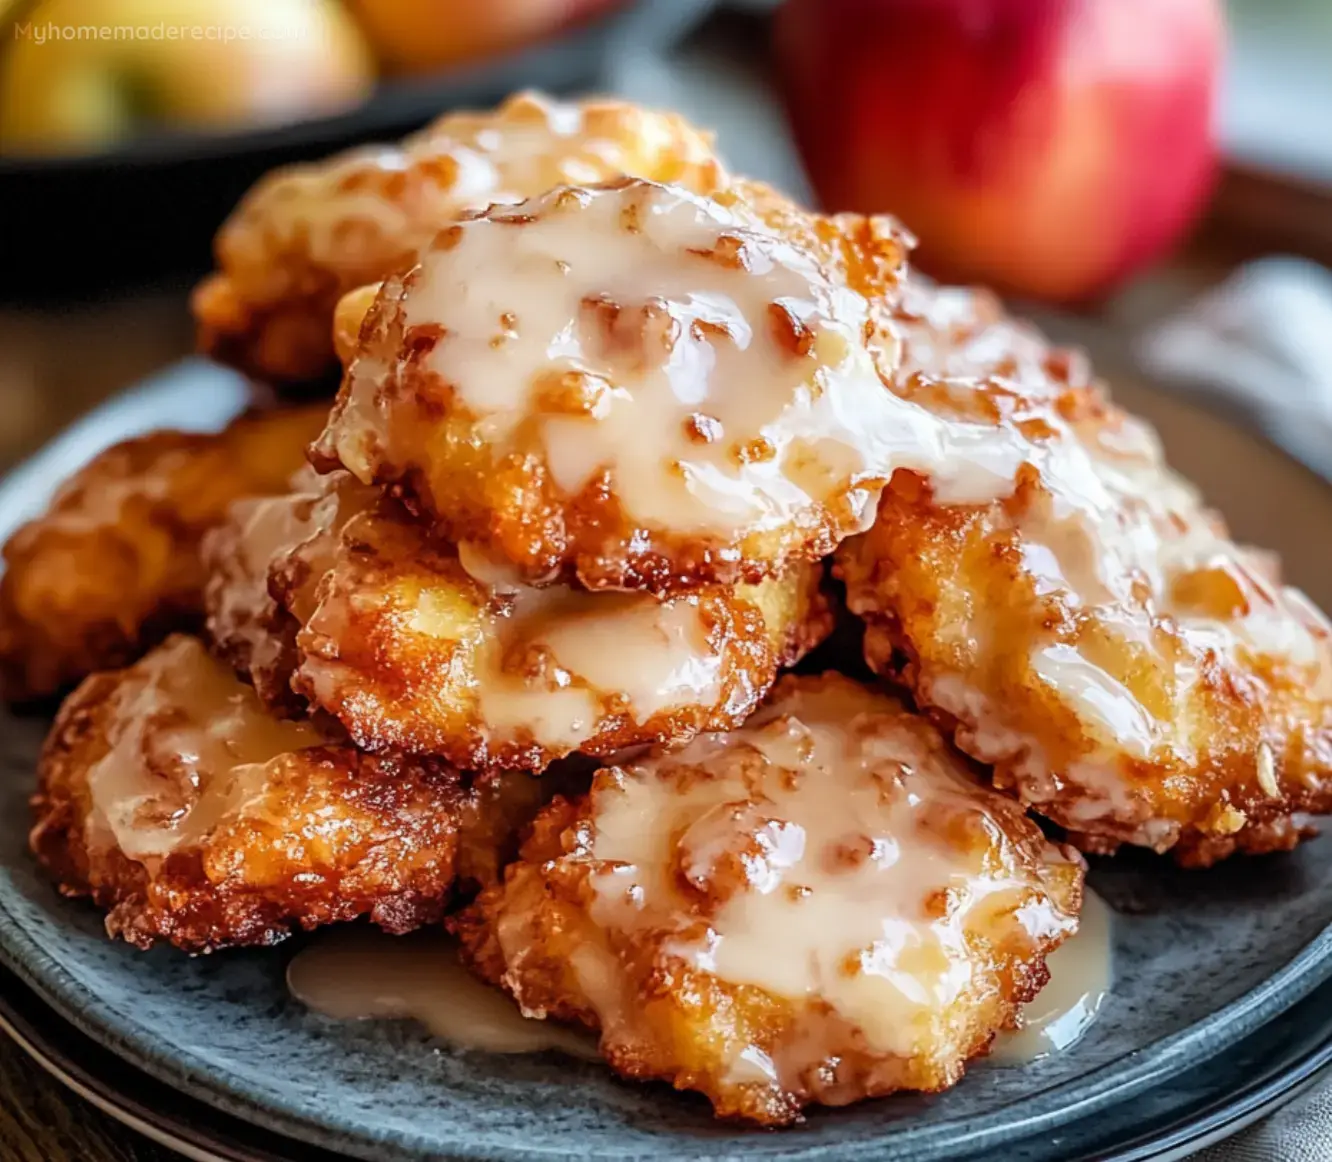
592,447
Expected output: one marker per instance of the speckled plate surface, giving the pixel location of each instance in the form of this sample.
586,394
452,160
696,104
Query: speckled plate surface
1283,1058
1203,960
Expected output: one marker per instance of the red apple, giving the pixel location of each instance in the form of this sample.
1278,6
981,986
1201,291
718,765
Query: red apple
1047,147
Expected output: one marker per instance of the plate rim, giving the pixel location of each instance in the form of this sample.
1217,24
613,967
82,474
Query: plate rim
29,1026
1219,1119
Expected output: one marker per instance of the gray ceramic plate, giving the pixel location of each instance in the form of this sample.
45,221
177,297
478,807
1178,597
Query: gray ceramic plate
1202,960
1215,1099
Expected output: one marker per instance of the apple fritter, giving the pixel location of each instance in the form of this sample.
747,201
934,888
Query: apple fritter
634,387
193,816
416,646
307,234
823,906
1089,628
113,565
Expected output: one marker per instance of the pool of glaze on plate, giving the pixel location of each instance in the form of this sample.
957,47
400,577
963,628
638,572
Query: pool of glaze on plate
360,974
1081,974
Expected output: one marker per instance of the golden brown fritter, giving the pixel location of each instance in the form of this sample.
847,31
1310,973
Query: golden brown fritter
174,800
823,906
1078,618
633,387
113,565
866,253
307,234
416,647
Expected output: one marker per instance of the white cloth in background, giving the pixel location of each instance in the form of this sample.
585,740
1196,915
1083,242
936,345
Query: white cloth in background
1262,342
1299,1132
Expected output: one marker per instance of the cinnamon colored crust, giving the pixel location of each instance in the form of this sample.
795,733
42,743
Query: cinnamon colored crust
369,620
140,807
536,428
1128,670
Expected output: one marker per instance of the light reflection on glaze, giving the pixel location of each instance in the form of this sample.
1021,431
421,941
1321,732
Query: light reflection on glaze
189,744
1081,977
710,367
850,860
1143,589
552,662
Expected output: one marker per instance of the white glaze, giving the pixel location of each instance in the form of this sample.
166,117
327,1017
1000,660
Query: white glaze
188,743
356,974
240,608
552,661
1081,977
656,656
819,836
713,371
1116,538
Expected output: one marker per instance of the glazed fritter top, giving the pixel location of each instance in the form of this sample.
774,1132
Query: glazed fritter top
822,906
246,625
632,386
113,564
309,233
1089,627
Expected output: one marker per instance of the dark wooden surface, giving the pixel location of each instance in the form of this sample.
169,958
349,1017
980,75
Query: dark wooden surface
42,1121
57,362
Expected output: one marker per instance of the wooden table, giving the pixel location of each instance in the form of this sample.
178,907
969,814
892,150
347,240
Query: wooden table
41,1121
55,364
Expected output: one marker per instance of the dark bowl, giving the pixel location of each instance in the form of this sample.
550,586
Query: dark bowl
77,225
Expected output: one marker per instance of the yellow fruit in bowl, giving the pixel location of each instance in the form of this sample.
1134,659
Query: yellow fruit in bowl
419,36
82,75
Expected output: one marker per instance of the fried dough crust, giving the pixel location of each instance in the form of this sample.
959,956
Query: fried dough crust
246,626
1092,631
113,565
823,906
307,234
348,604
632,387
177,803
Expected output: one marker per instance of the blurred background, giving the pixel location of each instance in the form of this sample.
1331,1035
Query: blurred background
1102,161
